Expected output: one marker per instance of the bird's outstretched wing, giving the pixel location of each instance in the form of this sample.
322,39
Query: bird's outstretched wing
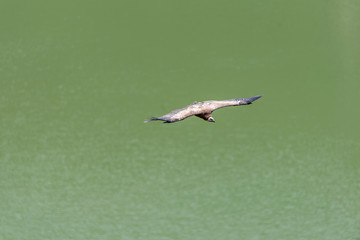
214,105
179,114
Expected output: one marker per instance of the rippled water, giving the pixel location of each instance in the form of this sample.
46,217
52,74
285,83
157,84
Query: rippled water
78,80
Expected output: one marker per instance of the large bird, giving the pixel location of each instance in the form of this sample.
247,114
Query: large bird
202,109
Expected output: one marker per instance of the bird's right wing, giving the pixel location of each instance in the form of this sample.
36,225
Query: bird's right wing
213,105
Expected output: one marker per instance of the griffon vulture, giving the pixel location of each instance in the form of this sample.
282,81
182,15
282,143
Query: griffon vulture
202,109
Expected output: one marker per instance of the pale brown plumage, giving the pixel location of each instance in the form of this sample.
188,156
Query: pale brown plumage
202,109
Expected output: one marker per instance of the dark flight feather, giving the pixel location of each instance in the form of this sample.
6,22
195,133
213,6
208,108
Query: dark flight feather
202,109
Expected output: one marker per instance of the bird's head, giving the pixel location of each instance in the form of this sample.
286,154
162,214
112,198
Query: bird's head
211,119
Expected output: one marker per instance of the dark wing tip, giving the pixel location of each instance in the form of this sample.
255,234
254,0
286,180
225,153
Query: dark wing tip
251,99
246,101
155,119
151,119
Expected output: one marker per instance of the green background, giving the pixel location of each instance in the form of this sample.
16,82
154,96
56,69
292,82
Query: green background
78,78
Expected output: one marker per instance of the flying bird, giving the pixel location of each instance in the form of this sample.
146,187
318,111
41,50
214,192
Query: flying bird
202,109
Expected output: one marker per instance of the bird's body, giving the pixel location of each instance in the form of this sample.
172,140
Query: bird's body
202,109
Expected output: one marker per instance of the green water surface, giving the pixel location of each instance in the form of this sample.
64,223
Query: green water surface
78,78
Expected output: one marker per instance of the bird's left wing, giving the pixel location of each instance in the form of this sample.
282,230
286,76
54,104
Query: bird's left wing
179,114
